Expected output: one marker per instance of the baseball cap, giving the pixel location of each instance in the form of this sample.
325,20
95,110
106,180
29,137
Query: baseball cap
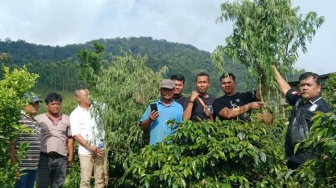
31,97
167,83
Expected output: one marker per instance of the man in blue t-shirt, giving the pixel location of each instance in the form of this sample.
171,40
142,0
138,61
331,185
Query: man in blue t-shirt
158,113
233,104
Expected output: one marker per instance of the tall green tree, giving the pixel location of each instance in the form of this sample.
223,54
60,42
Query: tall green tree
91,62
265,33
126,87
329,93
5,59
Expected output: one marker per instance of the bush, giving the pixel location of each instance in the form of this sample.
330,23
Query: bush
12,88
204,154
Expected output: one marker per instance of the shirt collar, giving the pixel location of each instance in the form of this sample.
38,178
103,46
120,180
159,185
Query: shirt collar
171,104
85,109
315,99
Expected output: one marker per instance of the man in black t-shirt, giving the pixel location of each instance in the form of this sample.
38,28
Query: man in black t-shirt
233,104
178,80
199,104
305,104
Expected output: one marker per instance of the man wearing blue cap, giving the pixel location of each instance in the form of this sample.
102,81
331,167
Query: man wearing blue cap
158,113
28,165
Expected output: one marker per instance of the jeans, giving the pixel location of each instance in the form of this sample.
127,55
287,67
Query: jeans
51,171
27,180
89,163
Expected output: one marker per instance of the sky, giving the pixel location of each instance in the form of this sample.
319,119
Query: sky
62,22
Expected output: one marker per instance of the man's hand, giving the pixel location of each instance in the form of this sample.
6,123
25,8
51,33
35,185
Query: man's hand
96,150
153,115
193,96
256,105
70,160
17,173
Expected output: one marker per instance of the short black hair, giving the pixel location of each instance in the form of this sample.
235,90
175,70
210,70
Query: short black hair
225,75
310,74
202,74
53,97
178,77
79,88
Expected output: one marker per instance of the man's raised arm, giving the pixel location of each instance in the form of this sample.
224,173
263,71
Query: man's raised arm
283,84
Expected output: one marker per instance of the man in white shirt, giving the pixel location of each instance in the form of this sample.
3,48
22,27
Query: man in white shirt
88,130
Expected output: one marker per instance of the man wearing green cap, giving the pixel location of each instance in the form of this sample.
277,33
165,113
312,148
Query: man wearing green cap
28,165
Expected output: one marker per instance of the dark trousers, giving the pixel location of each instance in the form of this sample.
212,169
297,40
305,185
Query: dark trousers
292,165
51,171
27,180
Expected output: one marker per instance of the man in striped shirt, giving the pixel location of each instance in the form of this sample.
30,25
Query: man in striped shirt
28,165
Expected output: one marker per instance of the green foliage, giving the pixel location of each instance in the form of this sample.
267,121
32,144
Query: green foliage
73,174
266,33
179,58
5,59
204,154
12,87
320,172
57,76
125,87
91,62
329,93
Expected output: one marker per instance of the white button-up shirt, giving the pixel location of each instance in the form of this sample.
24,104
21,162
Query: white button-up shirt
85,123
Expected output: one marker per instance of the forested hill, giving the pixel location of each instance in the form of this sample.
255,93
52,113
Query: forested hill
179,58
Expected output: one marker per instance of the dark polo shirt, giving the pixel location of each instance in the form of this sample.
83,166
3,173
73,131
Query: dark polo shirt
307,111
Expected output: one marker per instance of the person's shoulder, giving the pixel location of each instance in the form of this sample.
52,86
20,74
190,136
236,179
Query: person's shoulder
158,102
219,98
292,92
324,105
211,98
65,116
177,104
40,117
181,98
246,93
75,111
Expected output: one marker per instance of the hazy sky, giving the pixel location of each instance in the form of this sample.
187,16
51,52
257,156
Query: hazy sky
62,22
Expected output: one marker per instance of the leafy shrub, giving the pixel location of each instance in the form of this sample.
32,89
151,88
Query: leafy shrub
12,87
320,172
329,93
204,154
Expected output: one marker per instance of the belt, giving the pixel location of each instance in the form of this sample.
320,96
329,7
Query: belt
51,154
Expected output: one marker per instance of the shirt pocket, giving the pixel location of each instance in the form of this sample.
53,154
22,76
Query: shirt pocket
307,115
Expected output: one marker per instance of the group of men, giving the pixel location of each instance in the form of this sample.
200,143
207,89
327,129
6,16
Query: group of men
233,105
51,136
51,142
